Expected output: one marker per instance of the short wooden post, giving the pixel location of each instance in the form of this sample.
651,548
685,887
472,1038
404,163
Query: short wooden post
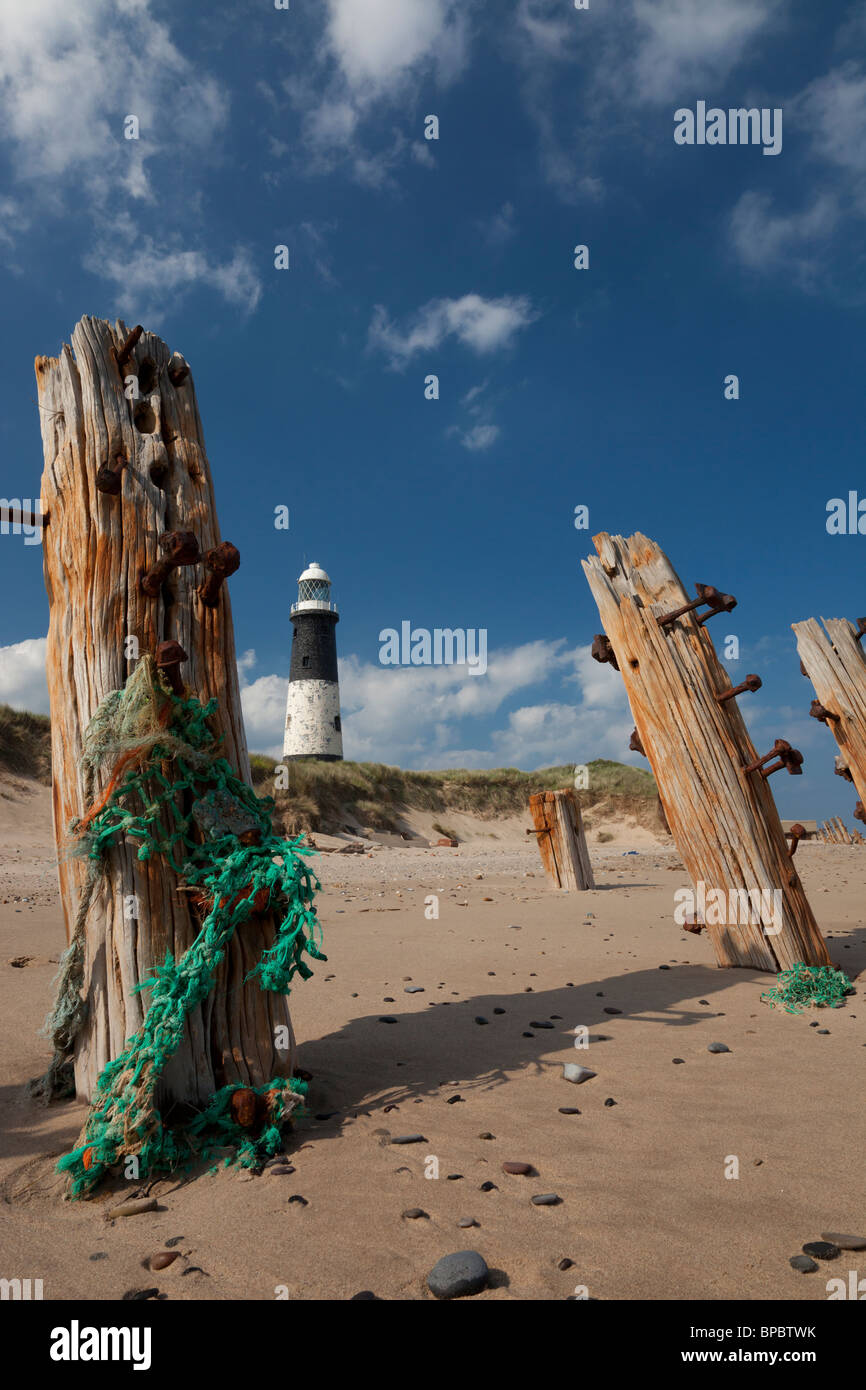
723,819
836,664
558,827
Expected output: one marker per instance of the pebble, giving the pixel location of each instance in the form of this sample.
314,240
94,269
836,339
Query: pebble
822,1249
718,1047
518,1170
139,1295
488,1187
457,1275
499,1011
527,1035
387,1019
453,1100
572,1071
134,1208
568,1110
546,1199
482,1021
172,1241
162,1259
281,1170
542,1025
414,989
416,1214
466,1221
409,1139
365,1296
486,1135
301,1201
612,1011
843,1242
565,1264
825,1031
803,1264
679,1061
610,1101
100,1255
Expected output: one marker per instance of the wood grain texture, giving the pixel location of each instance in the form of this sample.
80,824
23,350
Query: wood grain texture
95,550
561,840
837,669
723,820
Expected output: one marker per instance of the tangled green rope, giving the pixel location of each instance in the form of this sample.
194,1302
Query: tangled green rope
804,985
217,837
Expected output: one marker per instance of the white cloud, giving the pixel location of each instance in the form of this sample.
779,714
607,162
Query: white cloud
414,716
22,675
484,325
682,44
499,229
767,240
374,54
377,43
264,709
480,437
149,277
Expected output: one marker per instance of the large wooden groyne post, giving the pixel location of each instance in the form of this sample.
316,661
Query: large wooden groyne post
713,786
128,493
834,660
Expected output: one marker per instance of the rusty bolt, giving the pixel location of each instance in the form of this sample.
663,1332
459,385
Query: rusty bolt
243,1107
635,744
789,758
718,603
178,369
861,630
602,651
795,835
752,683
178,548
129,344
841,769
693,924
224,560
108,478
821,713
169,656
859,812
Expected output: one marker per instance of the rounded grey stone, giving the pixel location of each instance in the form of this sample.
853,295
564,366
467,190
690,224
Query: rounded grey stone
454,1276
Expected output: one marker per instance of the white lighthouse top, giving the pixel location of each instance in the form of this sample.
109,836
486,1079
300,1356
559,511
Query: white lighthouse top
313,571
314,591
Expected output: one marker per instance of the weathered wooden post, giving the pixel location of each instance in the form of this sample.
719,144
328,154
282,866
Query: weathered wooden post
559,830
712,785
128,492
835,662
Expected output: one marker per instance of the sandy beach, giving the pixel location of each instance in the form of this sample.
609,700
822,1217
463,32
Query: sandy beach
645,1207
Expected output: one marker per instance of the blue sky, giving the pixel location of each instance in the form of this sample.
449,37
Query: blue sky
305,127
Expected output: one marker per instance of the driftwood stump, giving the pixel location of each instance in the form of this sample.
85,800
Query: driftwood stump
98,544
723,819
836,664
561,839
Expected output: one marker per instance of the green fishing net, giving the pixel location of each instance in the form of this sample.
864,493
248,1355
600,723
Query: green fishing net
173,795
804,985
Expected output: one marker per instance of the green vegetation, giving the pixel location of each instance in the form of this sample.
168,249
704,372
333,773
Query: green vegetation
322,795
25,744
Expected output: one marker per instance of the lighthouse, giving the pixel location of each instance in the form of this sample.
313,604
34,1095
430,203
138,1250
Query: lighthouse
313,727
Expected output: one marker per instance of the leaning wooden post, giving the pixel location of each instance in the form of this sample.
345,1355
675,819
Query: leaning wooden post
558,827
836,665
721,814
121,473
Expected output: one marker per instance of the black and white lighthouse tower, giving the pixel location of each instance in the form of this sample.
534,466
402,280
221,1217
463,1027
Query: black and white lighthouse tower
313,727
